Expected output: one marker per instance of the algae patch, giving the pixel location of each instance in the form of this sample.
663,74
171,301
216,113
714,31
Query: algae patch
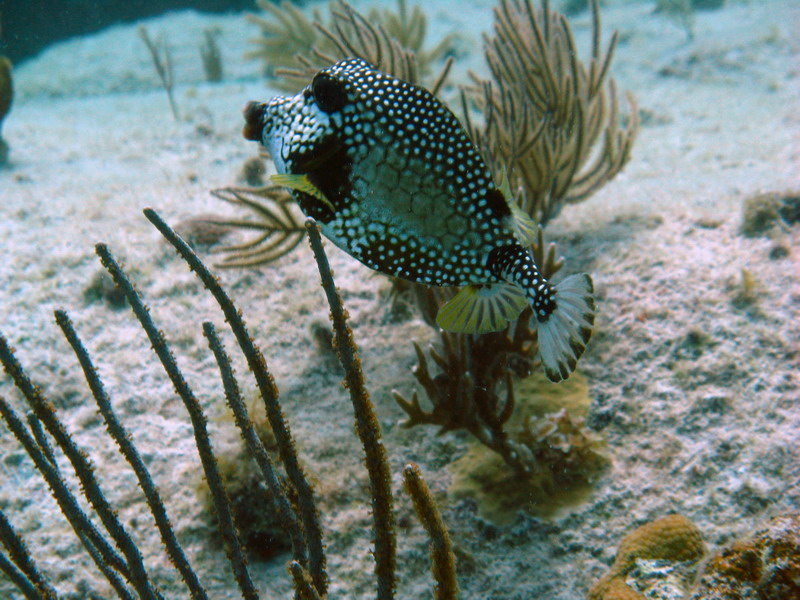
568,456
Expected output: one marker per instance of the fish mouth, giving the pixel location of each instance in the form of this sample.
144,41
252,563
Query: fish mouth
253,121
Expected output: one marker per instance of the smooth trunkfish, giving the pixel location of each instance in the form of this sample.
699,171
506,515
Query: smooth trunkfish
393,179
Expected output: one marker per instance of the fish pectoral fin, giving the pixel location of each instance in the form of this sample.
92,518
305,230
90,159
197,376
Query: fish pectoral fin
301,183
482,309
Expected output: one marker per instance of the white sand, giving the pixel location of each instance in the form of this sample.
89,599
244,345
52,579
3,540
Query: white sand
713,436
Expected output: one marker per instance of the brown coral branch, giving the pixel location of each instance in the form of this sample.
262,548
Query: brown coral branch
93,540
269,394
392,41
308,585
6,88
464,395
303,583
367,426
352,34
123,439
442,558
222,505
6,98
20,567
133,567
473,371
162,61
255,445
211,55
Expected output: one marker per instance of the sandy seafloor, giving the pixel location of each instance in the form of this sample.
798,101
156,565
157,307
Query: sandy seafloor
710,433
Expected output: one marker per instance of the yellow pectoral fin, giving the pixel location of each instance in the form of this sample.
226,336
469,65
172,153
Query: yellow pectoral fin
482,309
301,183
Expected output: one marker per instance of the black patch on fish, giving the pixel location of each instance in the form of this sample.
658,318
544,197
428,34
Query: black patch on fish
498,205
329,170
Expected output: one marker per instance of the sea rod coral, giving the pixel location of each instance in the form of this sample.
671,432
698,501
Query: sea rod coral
294,47
112,546
549,119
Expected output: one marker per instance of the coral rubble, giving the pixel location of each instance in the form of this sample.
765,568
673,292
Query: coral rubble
765,566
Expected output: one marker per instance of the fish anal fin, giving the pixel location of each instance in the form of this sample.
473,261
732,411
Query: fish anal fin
482,309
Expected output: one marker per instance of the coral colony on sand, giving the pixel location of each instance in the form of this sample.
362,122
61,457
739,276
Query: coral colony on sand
661,559
113,549
672,540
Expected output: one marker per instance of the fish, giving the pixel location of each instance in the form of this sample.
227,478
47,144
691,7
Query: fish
393,179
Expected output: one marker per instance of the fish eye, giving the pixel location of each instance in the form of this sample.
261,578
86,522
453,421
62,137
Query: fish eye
328,92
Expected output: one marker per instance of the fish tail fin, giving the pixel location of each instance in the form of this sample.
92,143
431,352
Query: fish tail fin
564,333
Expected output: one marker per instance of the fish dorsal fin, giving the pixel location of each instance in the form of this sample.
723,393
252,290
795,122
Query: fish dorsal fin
482,309
505,186
301,183
524,227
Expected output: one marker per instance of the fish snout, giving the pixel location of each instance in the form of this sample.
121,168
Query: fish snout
253,121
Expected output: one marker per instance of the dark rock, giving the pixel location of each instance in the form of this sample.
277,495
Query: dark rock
30,26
